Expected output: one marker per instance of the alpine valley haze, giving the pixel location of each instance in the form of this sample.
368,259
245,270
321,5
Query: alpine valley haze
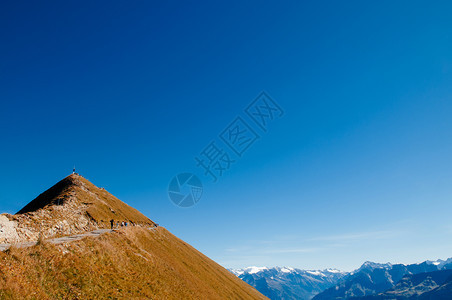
139,261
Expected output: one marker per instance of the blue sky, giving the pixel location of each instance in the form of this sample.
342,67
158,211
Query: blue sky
358,168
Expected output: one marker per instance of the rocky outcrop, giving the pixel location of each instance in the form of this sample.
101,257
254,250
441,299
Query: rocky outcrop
66,219
8,230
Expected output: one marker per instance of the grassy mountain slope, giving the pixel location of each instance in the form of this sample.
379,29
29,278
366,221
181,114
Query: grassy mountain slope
132,263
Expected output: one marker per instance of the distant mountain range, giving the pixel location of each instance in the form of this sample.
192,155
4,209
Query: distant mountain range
289,283
373,281
372,278
428,285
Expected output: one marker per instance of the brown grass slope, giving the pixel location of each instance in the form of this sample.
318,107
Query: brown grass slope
132,263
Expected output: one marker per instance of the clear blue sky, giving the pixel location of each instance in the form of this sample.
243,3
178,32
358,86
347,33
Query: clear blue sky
359,167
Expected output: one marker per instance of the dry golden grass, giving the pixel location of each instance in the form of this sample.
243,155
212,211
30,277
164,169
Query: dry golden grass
132,263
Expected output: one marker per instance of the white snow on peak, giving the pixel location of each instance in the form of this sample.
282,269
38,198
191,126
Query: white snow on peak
237,272
439,263
287,269
248,270
333,271
254,270
317,273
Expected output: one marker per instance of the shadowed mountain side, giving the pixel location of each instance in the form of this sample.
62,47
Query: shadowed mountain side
56,195
442,292
426,285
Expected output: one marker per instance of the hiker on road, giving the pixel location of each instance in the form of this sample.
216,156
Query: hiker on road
112,222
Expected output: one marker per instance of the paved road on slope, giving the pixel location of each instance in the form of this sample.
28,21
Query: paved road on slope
61,240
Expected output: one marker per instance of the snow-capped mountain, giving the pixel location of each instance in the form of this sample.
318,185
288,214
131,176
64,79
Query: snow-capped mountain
373,278
370,281
372,265
442,264
287,282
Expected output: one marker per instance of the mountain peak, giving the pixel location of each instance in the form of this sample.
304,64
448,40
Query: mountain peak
73,205
373,265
